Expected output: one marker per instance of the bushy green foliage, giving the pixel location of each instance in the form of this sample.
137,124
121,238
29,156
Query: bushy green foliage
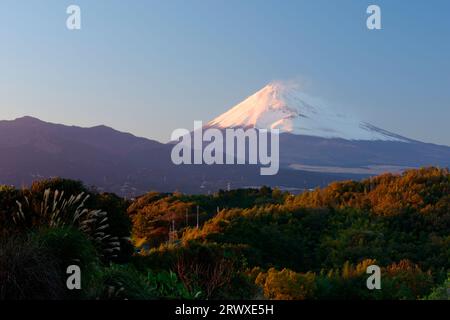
119,223
406,281
103,217
72,187
240,198
155,214
8,206
441,292
425,191
167,286
287,285
308,233
28,271
121,282
68,246
400,281
63,232
154,220
207,270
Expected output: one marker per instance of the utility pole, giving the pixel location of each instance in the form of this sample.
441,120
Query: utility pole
187,217
172,232
198,208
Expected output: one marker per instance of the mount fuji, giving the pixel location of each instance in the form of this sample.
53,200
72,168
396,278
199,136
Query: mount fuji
285,107
316,137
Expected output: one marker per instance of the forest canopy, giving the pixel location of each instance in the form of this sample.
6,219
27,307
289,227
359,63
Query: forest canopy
239,244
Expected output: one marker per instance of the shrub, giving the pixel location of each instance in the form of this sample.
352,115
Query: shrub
406,281
28,272
287,284
119,223
214,270
8,198
120,282
442,292
69,246
56,209
168,286
69,186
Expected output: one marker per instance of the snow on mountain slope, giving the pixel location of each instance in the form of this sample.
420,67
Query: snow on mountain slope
285,107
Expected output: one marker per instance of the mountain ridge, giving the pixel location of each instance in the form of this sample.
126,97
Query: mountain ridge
122,163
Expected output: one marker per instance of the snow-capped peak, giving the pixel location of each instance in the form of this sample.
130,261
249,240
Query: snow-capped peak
285,107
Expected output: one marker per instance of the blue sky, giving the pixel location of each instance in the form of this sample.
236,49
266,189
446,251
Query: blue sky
148,67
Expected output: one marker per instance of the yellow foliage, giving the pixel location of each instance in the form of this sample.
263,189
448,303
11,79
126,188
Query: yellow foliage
287,284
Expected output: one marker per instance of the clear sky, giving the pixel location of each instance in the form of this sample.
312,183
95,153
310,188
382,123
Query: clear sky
148,67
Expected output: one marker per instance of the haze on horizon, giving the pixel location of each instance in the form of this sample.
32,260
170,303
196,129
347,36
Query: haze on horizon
149,68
